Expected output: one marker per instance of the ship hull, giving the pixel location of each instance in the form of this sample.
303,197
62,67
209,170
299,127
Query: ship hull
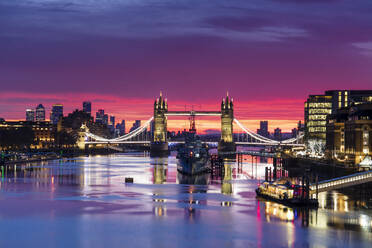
193,166
310,203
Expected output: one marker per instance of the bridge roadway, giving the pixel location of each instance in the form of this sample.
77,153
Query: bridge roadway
267,144
343,182
145,142
195,113
253,153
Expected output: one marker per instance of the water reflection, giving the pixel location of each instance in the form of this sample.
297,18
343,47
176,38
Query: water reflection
42,176
159,193
160,169
226,184
319,218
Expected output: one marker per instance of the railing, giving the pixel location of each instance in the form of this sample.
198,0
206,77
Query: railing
267,144
340,182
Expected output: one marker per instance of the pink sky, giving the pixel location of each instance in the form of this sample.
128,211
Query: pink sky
285,114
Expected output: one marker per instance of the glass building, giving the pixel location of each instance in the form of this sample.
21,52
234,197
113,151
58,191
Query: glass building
40,113
318,107
56,114
30,115
100,115
87,107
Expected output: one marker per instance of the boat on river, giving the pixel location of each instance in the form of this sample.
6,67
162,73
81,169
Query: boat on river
193,156
287,193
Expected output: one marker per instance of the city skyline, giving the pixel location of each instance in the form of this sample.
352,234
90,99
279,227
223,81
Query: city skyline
203,124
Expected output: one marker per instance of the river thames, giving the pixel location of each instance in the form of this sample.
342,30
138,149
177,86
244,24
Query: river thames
84,202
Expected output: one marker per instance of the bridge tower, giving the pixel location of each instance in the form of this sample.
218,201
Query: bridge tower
227,143
81,138
159,144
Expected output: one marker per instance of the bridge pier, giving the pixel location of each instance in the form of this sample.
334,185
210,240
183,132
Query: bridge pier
159,144
227,143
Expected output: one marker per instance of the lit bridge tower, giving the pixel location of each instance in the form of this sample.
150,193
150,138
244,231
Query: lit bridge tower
227,143
159,144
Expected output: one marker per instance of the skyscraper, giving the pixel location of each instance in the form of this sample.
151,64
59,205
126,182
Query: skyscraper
264,129
277,134
30,115
87,107
57,113
136,125
122,127
112,120
100,115
105,119
40,113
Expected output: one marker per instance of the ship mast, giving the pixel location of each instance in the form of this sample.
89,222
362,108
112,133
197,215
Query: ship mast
192,122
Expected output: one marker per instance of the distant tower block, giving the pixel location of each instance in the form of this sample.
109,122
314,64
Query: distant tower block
226,143
159,145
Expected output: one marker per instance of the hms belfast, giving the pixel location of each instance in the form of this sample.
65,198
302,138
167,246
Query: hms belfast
193,156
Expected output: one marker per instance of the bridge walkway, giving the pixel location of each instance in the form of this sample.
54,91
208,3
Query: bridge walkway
343,182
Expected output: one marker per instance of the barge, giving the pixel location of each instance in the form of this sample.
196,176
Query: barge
286,193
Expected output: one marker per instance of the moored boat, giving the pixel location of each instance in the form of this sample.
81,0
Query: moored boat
193,157
287,193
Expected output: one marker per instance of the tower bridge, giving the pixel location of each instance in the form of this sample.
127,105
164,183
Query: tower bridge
159,142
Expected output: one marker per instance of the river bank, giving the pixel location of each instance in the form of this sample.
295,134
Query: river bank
325,169
45,155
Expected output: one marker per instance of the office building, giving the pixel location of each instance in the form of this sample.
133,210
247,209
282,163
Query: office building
349,134
30,115
105,119
277,134
136,125
318,107
43,132
40,113
264,129
56,114
100,115
120,127
112,120
87,107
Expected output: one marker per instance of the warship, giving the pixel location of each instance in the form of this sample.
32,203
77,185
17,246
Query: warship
193,156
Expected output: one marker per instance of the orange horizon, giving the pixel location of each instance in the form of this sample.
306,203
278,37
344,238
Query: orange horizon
202,126
282,113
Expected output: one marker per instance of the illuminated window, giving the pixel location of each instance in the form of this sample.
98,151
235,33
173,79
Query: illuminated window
339,102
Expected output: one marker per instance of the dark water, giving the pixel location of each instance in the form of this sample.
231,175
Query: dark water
84,202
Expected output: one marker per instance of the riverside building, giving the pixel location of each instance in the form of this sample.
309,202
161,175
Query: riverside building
318,107
43,132
349,134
